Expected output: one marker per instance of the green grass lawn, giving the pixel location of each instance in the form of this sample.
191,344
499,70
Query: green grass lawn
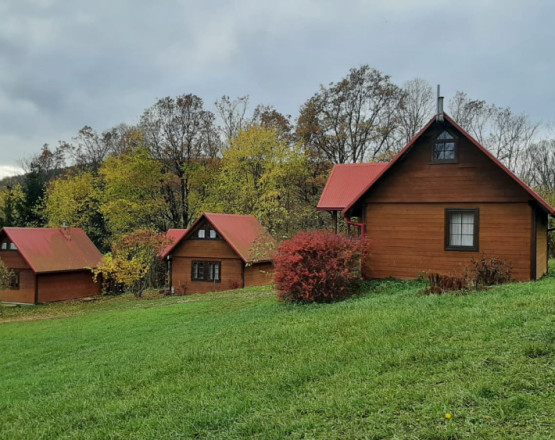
389,364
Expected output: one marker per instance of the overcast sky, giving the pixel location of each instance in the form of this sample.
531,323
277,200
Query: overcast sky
69,63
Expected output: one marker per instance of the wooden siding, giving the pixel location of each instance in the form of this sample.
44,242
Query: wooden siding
408,239
66,285
475,178
231,275
259,274
13,260
541,244
26,291
204,249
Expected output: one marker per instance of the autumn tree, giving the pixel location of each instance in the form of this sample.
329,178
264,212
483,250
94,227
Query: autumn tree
7,276
131,194
89,149
352,120
259,175
73,200
505,134
39,170
12,199
132,258
233,115
417,109
180,134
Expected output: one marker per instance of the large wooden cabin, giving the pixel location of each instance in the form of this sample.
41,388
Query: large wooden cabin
219,252
49,264
443,200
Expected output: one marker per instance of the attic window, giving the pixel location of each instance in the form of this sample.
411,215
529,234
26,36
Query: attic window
8,245
445,150
206,232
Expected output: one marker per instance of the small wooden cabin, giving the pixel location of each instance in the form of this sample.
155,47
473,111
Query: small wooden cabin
50,264
219,252
443,200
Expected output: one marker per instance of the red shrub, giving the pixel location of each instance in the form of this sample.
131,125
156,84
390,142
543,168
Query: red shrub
318,266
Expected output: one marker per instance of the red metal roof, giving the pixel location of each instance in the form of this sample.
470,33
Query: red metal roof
243,233
401,153
345,182
54,249
174,236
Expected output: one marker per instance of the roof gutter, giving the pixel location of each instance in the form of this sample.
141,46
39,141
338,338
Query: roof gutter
362,226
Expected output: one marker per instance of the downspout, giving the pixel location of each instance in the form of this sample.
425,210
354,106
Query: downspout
362,226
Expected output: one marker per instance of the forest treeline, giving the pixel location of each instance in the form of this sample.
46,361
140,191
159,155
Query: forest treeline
182,159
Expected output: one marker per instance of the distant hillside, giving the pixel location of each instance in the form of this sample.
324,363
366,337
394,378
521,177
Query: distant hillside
12,180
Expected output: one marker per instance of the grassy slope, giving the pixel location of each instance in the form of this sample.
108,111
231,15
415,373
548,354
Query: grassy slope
389,364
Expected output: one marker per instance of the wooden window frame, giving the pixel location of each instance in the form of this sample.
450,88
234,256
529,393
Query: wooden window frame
476,233
438,141
206,271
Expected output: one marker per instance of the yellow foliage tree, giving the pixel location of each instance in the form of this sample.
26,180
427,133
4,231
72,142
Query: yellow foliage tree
133,256
12,200
73,200
131,196
260,174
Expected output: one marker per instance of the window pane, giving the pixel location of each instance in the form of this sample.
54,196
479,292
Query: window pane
445,135
211,271
461,229
455,240
200,266
217,271
212,233
201,233
467,240
467,229
449,151
13,247
467,217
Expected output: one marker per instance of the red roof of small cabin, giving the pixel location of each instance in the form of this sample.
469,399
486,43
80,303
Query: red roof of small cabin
54,249
407,148
345,182
174,236
243,233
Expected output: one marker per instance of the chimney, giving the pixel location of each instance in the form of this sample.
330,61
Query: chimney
439,114
65,231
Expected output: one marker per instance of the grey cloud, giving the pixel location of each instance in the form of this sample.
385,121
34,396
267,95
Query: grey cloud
68,64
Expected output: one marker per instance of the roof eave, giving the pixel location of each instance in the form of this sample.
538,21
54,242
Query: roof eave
330,208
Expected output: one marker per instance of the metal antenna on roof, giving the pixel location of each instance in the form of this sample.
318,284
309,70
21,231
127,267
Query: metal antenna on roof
439,114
